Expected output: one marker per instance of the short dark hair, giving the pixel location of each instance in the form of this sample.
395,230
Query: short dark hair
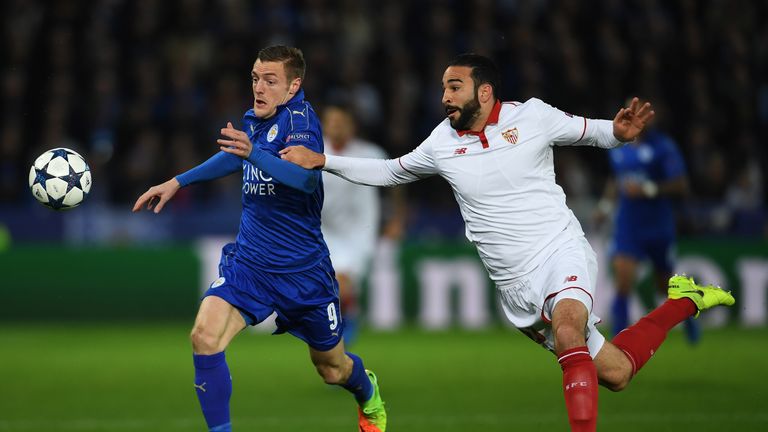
291,57
484,70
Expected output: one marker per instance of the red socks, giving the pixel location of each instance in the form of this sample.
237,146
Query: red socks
641,340
580,388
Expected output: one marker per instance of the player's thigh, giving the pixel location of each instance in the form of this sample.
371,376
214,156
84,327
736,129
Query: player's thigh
217,322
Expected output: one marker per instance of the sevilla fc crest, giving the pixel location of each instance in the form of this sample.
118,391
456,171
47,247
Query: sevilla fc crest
510,135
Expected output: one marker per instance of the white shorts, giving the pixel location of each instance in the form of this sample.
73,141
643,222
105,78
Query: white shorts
569,273
350,256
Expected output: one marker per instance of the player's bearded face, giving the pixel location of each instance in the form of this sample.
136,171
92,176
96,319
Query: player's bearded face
468,113
270,87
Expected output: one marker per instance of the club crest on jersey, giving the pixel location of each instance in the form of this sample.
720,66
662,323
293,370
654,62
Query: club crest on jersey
272,133
510,135
218,282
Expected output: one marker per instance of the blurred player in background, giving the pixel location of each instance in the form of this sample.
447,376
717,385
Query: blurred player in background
351,214
279,262
649,174
498,158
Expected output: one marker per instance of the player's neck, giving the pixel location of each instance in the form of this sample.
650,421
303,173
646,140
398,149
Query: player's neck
482,119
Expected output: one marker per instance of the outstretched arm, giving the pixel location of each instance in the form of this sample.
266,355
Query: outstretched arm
219,165
365,171
565,129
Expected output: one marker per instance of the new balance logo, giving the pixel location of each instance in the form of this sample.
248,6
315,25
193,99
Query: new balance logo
573,385
460,151
571,278
201,387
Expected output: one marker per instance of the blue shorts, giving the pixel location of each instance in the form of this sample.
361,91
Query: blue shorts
658,248
306,302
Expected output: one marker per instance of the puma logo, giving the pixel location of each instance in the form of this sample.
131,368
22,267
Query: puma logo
201,387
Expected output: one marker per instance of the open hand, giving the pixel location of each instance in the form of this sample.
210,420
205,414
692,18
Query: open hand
630,121
238,143
157,196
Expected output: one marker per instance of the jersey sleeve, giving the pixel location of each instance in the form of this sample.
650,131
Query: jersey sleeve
380,172
219,165
565,129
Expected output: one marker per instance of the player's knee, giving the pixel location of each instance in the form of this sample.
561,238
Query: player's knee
331,374
204,341
568,336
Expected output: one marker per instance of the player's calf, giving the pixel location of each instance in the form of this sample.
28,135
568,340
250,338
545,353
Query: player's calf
614,368
331,373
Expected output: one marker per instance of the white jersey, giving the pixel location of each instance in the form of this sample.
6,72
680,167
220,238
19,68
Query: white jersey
351,213
503,179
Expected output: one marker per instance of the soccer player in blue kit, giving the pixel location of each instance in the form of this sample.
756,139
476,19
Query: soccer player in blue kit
649,174
279,262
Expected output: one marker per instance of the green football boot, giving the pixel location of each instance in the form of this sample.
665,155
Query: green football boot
704,297
372,417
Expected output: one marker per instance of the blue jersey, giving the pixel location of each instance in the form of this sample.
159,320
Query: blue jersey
655,158
280,225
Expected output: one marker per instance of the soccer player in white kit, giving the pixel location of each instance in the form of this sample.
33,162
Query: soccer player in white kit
498,158
351,214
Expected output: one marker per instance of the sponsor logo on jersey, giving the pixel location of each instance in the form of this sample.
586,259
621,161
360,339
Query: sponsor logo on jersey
272,133
460,151
256,181
217,283
510,135
299,136
572,278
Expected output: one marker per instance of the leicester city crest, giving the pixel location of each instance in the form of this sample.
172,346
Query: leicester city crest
272,133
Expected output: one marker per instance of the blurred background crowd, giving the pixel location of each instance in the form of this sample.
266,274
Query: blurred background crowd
141,88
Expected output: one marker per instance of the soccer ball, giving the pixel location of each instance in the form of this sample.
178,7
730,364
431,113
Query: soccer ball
60,179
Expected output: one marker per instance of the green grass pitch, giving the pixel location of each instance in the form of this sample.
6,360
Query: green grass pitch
89,378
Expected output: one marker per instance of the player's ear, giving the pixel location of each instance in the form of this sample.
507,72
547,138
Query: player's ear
485,92
295,85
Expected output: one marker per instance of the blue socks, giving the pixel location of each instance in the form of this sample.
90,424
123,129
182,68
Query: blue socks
350,331
213,385
620,314
358,383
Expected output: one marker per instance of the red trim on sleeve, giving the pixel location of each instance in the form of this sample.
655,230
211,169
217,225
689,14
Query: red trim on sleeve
583,131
